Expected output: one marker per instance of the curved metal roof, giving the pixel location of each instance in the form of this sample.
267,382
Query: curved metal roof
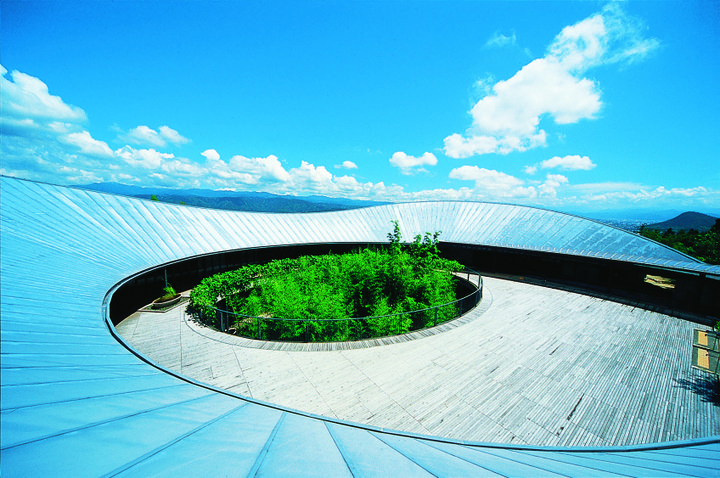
75,401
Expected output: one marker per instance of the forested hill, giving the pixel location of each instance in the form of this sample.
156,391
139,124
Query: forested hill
695,234
685,221
234,200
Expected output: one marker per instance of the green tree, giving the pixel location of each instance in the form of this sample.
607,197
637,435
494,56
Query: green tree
395,237
704,246
309,292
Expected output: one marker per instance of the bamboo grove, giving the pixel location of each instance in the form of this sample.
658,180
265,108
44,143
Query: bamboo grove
313,297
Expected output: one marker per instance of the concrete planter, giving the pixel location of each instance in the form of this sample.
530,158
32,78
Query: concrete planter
160,304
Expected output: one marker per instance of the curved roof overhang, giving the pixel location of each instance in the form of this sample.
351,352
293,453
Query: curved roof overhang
76,401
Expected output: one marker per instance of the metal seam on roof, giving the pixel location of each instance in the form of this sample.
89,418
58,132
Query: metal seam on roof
77,244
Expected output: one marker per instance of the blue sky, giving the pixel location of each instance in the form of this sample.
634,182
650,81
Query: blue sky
567,105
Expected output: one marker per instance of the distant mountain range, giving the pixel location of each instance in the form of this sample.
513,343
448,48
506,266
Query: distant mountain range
630,220
687,220
234,200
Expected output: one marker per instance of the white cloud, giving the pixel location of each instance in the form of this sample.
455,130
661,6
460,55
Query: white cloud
28,97
61,127
146,136
500,40
348,183
346,165
608,37
493,184
507,120
555,180
311,177
172,136
406,163
625,38
508,117
144,158
458,146
581,45
462,194
211,154
486,177
87,144
573,162
552,183
608,186
43,139
268,169
624,193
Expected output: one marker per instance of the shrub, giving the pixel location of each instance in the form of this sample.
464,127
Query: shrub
169,293
311,291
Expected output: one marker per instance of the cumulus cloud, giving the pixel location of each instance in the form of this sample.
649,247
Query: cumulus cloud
491,183
508,117
407,163
573,162
458,146
146,136
211,154
309,177
267,169
172,136
486,177
28,97
569,163
552,183
346,165
144,158
44,139
143,135
87,144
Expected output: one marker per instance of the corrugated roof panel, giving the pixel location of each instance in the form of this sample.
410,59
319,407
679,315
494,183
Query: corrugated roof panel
245,432
75,402
367,455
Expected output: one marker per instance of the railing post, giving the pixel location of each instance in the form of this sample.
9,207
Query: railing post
306,331
259,324
435,324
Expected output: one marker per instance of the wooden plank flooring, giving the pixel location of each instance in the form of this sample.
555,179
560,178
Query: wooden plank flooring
531,365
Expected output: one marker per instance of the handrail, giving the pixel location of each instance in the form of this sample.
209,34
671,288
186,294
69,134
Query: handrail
221,320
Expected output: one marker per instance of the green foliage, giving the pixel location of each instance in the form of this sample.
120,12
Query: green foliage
169,293
154,197
311,291
395,238
704,246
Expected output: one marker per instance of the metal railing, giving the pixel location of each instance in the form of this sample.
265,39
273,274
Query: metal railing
344,329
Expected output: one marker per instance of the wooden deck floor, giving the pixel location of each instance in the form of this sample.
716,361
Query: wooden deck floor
534,366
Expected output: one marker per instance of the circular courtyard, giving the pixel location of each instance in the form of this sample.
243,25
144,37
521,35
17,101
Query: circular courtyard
531,365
